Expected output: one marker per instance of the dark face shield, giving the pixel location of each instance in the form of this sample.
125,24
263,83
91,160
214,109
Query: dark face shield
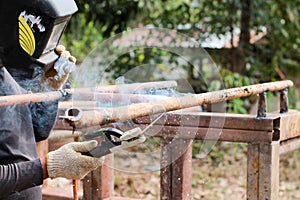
48,55
55,36
32,30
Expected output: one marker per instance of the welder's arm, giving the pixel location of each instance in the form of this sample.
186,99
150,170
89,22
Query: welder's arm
19,176
68,161
34,79
44,113
56,77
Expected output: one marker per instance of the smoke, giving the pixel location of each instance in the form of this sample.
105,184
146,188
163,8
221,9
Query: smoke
42,114
140,56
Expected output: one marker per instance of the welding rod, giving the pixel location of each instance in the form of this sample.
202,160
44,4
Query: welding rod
109,115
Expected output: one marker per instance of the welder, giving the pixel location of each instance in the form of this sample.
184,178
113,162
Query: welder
31,60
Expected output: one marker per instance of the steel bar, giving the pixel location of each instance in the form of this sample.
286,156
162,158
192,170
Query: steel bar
132,88
210,134
214,120
75,182
233,127
136,87
33,97
289,125
263,171
166,169
269,171
99,184
253,171
61,94
176,168
290,145
262,105
94,118
115,97
284,101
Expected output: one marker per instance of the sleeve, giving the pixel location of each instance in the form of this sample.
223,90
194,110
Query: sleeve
43,118
19,176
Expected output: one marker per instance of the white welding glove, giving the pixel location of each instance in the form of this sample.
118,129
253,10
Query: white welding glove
57,76
68,162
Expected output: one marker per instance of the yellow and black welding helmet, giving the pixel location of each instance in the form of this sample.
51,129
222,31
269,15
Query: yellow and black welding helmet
31,29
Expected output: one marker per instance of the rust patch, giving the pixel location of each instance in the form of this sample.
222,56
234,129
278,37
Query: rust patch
292,125
255,166
254,162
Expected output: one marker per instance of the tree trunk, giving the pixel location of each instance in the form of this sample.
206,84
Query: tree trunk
240,53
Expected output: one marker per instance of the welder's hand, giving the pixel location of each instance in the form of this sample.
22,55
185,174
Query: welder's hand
68,162
57,76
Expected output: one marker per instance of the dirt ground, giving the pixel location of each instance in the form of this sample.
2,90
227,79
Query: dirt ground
219,175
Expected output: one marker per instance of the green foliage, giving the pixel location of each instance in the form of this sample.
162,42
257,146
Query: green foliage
274,57
292,98
236,106
235,80
109,16
280,18
231,80
136,58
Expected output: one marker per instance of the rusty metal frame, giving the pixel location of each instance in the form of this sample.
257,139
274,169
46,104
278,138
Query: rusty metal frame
268,135
266,142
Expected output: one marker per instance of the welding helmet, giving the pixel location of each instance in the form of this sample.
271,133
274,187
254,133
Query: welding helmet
31,29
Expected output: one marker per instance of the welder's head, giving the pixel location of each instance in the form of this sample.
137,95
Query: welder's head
31,29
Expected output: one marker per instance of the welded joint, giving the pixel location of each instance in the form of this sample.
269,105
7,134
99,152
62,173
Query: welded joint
284,101
262,105
65,94
107,116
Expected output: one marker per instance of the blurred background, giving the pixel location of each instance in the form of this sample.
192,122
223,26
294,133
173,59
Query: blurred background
251,41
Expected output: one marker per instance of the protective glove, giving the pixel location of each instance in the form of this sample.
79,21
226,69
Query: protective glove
57,76
68,162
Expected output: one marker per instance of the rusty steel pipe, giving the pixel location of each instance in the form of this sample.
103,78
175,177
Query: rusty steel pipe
57,95
136,87
33,97
105,116
86,96
116,97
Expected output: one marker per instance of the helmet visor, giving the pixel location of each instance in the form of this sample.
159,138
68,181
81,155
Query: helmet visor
54,38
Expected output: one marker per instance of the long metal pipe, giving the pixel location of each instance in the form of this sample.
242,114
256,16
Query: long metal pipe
33,97
105,116
57,95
